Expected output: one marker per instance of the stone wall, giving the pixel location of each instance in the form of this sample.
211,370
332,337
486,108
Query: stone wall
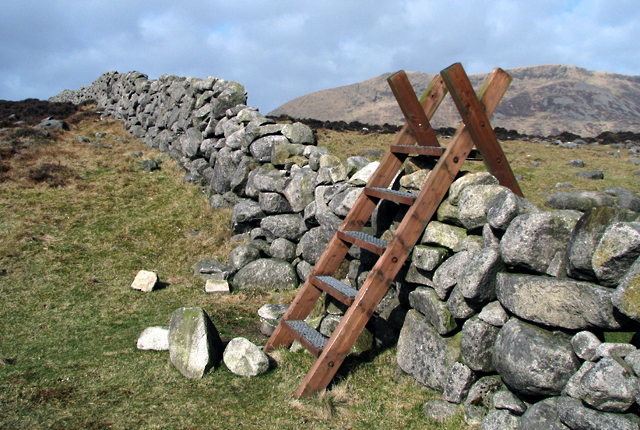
501,307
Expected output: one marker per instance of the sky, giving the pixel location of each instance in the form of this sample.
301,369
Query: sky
281,49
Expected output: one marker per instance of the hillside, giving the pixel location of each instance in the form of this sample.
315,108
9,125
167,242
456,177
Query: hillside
542,100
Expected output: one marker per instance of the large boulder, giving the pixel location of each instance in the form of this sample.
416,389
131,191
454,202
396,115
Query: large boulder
532,360
287,226
609,386
426,301
300,191
616,252
505,207
194,343
266,274
313,244
626,297
478,280
558,302
533,241
476,344
424,354
473,204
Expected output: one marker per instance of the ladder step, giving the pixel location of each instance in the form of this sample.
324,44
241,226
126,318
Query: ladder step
434,151
392,195
309,337
336,289
370,243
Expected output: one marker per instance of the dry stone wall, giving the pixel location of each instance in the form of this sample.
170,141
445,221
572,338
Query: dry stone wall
501,307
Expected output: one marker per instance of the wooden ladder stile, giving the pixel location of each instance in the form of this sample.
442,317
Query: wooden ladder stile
475,129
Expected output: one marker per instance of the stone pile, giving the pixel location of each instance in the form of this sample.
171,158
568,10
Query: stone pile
501,307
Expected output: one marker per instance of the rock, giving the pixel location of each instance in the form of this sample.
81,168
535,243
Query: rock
244,254
243,358
585,345
607,349
428,257
313,243
210,268
558,302
478,280
364,342
460,380
479,402
574,414
505,207
414,181
274,203
426,301
216,286
456,188
610,385
572,388
333,168
283,249
288,226
505,399
145,281
576,163
494,314
473,204
154,338
542,416
266,274
194,343
443,235
633,360
440,410
300,191
626,297
362,176
500,420
616,252
476,344
270,316
262,148
533,361
578,200
447,275
533,240
593,174
245,215
53,124
149,165
460,307
424,354
299,133
586,236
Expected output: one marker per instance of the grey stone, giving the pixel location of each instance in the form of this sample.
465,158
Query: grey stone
576,163
616,252
428,257
283,249
572,388
533,361
303,269
154,338
500,420
585,345
505,399
440,410
333,167
446,276
456,188
149,165
448,213
476,344
194,343
424,354
610,385
266,274
592,174
629,201
578,417
299,133
577,200
425,301
479,402
210,268
245,215
244,358
607,349
443,235
542,416
473,204
505,207
364,342
413,182
558,302
362,176
493,313
274,203
300,191
223,170
460,380
313,244
460,307
262,148
533,240
190,142
478,281
287,226
244,254
586,236
633,360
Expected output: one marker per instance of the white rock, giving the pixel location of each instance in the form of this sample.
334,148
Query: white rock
214,286
243,358
145,281
154,338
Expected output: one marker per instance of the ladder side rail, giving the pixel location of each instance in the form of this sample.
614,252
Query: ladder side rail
387,267
477,122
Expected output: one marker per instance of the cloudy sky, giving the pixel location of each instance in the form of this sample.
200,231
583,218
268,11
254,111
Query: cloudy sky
281,49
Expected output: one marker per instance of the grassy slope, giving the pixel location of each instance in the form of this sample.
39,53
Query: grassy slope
70,321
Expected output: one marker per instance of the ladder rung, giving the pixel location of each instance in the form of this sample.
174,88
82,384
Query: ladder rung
393,195
313,341
435,151
370,243
336,289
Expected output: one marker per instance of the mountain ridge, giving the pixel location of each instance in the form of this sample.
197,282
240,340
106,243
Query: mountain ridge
542,100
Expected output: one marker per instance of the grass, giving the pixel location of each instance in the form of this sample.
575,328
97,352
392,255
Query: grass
77,222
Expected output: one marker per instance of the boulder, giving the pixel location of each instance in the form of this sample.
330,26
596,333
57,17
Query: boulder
479,402
534,240
300,191
542,416
274,203
287,226
477,282
610,385
283,249
585,345
460,380
216,286
266,274
428,257
426,301
443,235
532,360
500,420
505,207
424,354
626,297
210,268
506,400
362,176
245,215
473,203
194,343
574,414
270,315
313,244
476,344
558,302
616,252
447,275
456,188
299,133
493,313
440,410
244,254
243,358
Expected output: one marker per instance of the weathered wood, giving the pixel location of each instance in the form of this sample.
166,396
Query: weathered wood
477,122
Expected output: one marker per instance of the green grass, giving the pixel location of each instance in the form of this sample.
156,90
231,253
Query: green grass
70,320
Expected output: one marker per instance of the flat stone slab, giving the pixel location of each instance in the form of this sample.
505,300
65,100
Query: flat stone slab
213,286
145,281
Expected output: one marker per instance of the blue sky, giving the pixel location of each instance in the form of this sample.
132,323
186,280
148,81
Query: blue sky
281,49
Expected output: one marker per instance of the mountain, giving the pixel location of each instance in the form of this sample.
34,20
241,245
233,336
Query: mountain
542,100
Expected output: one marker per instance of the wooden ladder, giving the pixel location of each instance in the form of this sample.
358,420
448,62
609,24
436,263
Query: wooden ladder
475,129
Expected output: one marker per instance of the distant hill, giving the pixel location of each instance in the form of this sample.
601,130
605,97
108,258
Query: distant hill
542,100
